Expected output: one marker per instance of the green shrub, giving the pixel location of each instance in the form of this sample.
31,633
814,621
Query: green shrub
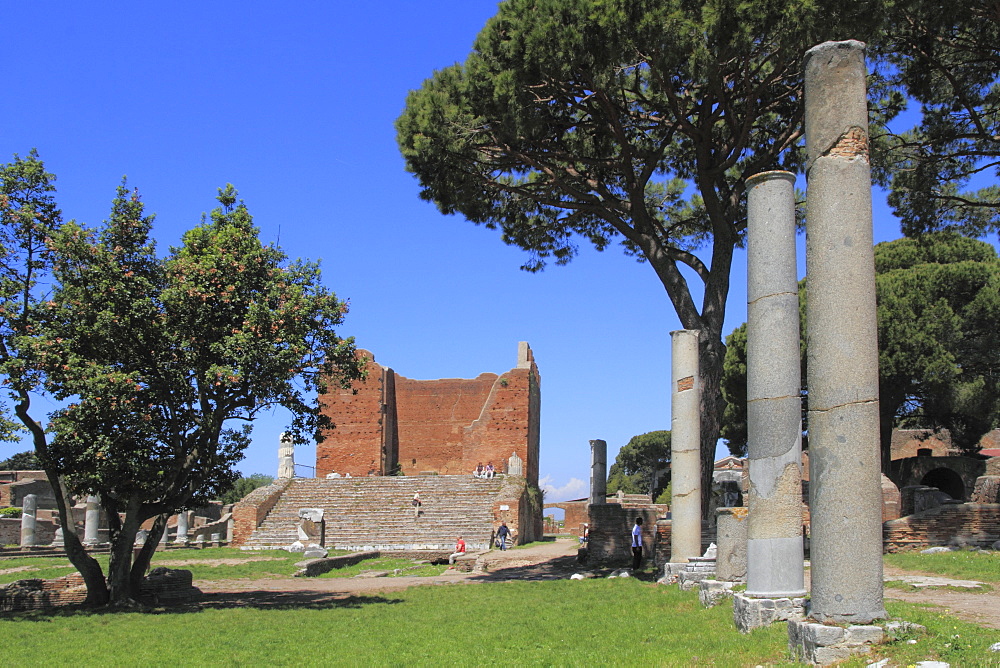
10,512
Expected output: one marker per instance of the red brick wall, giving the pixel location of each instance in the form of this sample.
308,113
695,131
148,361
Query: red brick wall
447,426
355,444
251,511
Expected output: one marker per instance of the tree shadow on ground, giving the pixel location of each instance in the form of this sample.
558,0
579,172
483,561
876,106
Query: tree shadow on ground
559,568
259,600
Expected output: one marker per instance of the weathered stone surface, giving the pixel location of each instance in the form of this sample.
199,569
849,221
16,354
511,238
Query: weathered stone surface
713,592
731,534
311,514
685,539
28,520
598,471
864,635
845,489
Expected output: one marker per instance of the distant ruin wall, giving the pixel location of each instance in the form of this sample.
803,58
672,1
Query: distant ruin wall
963,524
445,426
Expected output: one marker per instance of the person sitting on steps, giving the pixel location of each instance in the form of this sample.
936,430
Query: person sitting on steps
459,550
416,505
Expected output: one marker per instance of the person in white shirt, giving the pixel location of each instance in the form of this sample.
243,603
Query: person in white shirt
637,544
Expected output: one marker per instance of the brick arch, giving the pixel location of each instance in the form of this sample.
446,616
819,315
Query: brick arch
913,470
946,480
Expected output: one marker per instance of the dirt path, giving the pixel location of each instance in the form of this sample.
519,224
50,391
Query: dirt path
982,608
545,561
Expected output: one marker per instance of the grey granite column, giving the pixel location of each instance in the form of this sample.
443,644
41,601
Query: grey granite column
685,447
774,410
598,471
844,464
166,532
182,527
92,522
29,511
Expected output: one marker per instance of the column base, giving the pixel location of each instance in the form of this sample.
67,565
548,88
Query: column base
751,613
822,645
713,592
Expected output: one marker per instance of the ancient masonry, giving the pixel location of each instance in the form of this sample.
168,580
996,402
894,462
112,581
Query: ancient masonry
445,426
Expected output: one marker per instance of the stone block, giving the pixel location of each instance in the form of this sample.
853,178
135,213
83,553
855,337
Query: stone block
863,635
713,592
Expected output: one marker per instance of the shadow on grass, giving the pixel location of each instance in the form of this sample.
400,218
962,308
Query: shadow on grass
257,600
559,568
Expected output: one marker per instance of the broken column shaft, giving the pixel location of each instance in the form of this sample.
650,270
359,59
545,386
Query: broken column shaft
598,471
844,462
774,411
685,448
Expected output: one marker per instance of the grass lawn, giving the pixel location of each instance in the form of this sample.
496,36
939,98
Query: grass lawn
962,565
585,623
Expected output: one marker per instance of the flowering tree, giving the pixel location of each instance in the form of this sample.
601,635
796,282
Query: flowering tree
160,357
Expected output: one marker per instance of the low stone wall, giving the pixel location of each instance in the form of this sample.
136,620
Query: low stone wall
10,531
251,511
205,531
315,567
967,524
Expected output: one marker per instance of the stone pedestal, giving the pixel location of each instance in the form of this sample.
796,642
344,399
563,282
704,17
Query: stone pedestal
731,541
92,522
685,447
29,511
824,645
844,456
750,613
713,592
598,471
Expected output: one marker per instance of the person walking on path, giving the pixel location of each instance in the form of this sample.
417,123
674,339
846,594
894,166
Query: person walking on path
502,534
459,550
637,544
416,505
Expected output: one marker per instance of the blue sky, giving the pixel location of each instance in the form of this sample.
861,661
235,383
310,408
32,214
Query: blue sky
294,104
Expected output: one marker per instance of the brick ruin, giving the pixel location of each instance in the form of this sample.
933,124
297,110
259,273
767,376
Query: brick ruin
446,426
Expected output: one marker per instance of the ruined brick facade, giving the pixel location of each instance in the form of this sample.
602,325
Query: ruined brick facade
443,426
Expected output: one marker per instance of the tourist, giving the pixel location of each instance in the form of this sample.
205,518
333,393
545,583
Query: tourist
489,470
585,536
637,544
416,505
459,550
478,473
503,533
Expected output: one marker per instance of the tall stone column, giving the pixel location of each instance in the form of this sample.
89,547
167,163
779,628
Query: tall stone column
29,512
844,463
92,522
774,410
182,527
166,532
598,471
685,447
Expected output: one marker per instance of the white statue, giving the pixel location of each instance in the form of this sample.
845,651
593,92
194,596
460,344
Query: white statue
286,457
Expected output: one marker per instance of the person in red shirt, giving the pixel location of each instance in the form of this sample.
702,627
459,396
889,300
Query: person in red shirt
459,550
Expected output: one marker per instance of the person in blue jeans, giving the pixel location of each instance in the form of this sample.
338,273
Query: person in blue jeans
502,534
637,544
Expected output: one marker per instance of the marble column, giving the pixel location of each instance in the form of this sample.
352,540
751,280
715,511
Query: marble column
92,522
685,447
166,531
774,410
598,471
844,458
29,512
182,528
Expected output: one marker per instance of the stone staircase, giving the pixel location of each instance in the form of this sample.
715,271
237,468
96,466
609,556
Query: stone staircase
376,513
